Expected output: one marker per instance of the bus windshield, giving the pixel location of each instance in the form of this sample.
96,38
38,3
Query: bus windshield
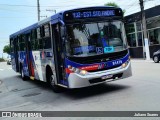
89,39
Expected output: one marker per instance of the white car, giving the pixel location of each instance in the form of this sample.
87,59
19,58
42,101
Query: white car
9,60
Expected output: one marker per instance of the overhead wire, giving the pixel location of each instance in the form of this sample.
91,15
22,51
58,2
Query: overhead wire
16,5
42,10
136,7
127,7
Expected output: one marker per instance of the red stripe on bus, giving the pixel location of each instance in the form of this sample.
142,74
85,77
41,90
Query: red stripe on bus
68,71
92,67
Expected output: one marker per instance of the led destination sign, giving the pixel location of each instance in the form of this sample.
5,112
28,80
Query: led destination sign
94,14
82,14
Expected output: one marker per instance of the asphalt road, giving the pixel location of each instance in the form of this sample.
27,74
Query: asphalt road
141,92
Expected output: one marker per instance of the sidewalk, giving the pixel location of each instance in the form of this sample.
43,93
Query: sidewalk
141,60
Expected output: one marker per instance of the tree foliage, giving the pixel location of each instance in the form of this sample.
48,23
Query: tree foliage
6,49
114,5
2,60
111,4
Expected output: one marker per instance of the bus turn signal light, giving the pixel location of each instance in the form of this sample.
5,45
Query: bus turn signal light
77,70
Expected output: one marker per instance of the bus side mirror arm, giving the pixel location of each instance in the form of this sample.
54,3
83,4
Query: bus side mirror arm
62,23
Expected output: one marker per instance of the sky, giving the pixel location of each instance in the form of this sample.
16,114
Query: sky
18,14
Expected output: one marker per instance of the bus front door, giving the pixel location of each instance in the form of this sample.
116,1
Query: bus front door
58,51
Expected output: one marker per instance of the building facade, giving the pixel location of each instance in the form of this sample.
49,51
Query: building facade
134,32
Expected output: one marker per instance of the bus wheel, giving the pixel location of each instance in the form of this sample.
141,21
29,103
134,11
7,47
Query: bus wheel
22,75
54,87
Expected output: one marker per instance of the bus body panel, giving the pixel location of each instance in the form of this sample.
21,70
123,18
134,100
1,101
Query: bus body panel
78,81
38,62
23,62
38,65
43,59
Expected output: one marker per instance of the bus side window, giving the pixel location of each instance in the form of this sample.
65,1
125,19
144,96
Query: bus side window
14,43
18,43
22,43
39,38
11,45
34,43
46,36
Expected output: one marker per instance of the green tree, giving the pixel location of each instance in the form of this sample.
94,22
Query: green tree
111,4
6,49
114,5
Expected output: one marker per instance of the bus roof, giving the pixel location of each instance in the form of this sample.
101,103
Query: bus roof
57,15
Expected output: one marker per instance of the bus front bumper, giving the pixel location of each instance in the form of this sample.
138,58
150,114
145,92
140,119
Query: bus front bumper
93,78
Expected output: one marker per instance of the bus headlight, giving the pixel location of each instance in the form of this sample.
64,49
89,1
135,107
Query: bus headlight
83,72
77,70
125,64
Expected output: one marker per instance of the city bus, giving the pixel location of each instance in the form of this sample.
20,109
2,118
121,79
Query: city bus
73,49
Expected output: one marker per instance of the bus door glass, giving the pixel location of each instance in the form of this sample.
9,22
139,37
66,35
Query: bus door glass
29,55
58,52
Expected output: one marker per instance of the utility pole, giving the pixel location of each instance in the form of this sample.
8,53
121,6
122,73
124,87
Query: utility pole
144,29
38,10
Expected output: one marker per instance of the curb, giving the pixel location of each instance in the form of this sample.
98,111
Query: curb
146,61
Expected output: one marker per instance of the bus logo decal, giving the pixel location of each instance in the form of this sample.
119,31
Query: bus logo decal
117,62
102,65
99,50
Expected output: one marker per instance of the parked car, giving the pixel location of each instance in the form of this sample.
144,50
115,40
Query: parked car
156,56
9,60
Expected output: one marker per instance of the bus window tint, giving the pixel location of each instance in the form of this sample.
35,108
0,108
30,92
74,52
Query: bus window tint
47,43
11,45
46,30
39,38
38,33
34,40
46,37
40,43
85,39
22,45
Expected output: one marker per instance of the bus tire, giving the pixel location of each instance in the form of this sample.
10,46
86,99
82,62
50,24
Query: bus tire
52,84
22,75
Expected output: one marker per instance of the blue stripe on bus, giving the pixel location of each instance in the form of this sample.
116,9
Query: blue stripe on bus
109,63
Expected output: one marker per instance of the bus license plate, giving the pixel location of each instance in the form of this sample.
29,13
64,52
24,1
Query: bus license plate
106,77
